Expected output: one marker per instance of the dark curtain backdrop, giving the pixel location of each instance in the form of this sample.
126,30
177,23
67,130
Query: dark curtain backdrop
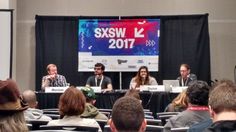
184,39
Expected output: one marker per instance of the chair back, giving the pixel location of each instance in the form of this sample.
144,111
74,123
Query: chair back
154,128
53,116
101,123
108,114
35,124
180,129
149,128
164,116
70,128
156,122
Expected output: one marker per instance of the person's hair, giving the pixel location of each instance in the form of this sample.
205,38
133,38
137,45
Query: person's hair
127,114
185,65
198,93
29,97
138,78
49,66
100,65
181,100
223,97
222,81
72,102
133,93
13,123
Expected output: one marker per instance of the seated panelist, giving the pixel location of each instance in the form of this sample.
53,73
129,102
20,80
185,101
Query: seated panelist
142,78
186,77
98,79
53,79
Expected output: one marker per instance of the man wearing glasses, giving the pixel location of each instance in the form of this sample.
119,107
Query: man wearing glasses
186,77
98,79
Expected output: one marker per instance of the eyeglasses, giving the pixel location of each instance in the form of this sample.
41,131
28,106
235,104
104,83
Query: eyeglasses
97,68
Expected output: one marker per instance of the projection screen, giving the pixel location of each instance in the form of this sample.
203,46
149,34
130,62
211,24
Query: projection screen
5,44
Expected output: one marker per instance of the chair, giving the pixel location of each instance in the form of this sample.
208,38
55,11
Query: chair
153,122
35,124
149,128
146,110
53,116
29,126
107,128
51,111
105,110
180,129
148,116
102,123
154,128
70,128
106,113
148,113
164,116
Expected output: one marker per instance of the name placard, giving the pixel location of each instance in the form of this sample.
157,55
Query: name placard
178,89
55,89
153,88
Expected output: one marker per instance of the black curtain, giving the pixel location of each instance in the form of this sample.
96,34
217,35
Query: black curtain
184,39
57,43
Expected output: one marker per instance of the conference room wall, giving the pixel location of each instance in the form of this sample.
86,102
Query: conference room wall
222,26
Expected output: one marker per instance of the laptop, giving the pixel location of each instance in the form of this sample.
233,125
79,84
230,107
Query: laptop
169,84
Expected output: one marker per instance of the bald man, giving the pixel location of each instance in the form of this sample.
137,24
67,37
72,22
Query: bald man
32,113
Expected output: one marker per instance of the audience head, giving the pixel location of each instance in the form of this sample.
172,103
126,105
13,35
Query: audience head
52,69
99,68
127,115
198,93
223,99
133,93
29,97
181,100
11,107
184,70
72,102
89,94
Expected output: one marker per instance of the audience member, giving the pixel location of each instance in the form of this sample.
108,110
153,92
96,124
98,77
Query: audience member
222,105
32,113
71,106
197,110
127,116
98,79
90,110
53,79
185,76
11,108
179,104
142,78
135,94
201,126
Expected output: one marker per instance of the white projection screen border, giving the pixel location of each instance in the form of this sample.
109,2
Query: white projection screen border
6,43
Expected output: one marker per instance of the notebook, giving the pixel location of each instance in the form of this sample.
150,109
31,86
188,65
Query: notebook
170,83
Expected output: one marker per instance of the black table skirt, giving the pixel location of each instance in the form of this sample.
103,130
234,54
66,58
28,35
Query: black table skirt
154,101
